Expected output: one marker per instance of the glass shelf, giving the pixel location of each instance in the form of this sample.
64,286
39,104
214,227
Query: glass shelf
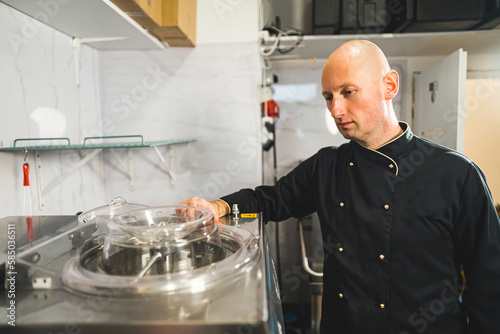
168,165
86,145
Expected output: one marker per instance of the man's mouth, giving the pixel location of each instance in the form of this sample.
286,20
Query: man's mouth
345,124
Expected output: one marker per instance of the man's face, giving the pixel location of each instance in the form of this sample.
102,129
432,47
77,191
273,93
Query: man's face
355,99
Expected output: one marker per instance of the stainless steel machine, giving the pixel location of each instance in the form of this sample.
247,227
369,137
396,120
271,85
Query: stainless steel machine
142,270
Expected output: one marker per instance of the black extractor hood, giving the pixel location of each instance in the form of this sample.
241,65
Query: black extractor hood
403,16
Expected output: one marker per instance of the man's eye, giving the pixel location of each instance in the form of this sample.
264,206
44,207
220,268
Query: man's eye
328,98
348,92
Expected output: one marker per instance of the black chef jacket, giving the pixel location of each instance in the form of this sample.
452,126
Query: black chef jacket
398,224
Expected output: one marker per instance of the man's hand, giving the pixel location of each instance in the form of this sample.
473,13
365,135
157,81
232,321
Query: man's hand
218,207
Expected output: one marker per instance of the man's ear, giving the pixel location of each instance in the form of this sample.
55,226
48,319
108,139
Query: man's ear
391,82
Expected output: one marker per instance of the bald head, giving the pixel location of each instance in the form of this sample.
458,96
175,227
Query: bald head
363,55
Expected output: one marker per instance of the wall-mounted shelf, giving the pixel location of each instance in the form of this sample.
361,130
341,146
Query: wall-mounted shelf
128,169
87,146
394,45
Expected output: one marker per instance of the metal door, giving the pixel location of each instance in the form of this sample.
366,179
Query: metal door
439,107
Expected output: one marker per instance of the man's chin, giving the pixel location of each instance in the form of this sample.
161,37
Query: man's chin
345,133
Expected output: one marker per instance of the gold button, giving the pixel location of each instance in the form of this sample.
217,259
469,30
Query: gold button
381,256
391,166
341,295
341,249
382,305
341,204
386,207
351,164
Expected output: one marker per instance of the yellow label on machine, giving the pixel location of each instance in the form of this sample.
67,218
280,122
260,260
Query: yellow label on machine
248,215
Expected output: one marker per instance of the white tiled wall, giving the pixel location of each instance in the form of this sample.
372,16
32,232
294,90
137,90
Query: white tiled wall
207,93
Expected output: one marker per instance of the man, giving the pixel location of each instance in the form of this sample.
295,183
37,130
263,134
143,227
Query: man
401,217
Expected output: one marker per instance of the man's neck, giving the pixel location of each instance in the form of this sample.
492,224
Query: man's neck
398,132
389,135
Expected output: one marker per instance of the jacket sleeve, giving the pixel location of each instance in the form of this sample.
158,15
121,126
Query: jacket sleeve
292,196
477,238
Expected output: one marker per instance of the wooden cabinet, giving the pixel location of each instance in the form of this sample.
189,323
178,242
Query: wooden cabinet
171,21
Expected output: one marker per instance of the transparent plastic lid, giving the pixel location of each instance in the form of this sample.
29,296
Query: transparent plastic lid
162,226
103,213
171,238
173,250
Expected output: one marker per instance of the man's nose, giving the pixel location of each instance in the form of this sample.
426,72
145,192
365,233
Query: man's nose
338,108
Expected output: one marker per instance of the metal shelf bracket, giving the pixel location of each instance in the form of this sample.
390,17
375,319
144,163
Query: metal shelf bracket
169,168
77,43
82,162
128,170
38,171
